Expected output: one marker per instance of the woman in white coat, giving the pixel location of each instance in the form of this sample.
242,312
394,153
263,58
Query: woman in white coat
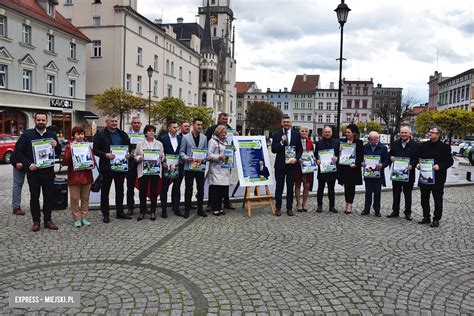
218,176
145,180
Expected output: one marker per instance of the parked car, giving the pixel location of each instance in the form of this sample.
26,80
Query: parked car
468,153
7,146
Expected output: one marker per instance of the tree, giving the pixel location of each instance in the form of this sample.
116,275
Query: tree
424,121
394,115
118,102
169,109
455,122
202,112
367,127
262,116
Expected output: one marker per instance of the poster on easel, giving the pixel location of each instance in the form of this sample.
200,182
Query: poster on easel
252,161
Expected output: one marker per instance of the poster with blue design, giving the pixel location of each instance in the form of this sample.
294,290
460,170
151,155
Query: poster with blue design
252,160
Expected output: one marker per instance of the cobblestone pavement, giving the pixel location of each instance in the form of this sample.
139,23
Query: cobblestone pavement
312,263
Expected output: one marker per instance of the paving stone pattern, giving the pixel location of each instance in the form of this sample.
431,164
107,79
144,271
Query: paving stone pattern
312,263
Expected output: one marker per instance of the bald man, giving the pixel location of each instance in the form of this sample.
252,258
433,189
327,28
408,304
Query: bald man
404,147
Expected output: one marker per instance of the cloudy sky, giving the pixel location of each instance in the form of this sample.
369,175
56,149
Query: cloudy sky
398,43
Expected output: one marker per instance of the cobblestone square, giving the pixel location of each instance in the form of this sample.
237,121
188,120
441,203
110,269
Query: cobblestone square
312,263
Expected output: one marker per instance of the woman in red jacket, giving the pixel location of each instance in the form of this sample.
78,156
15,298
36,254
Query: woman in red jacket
80,181
306,178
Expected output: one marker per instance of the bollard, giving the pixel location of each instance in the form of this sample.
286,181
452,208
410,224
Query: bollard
468,176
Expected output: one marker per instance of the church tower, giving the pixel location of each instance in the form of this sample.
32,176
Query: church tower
216,17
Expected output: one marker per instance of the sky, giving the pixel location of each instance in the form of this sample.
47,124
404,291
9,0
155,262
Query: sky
397,43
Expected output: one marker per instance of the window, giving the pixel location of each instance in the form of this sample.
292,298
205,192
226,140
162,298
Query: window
96,21
156,40
72,88
180,73
97,1
211,76
96,48
26,34
27,80
172,68
328,106
239,104
239,116
155,88
204,75
328,118
167,67
155,63
3,26
139,84
310,105
357,102
364,104
68,2
139,56
349,103
50,9
72,50
320,105
50,46
128,82
140,30
3,76
295,117
50,84
278,105
170,90
309,118
189,76
285,106
180,93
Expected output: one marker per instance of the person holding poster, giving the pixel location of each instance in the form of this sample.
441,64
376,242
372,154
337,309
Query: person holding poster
39,179
103,140
438,156
173,173
281,139
349,173
194,144
135,137
149,154
219,173
403,152
374,176
305,178
79,175
327,151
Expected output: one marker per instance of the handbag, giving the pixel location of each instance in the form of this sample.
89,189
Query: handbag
97,185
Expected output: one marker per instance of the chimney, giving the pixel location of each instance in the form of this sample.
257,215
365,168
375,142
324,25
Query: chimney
280,90
285,89
331,85
268,89
158,21
180,20
379,85
304,78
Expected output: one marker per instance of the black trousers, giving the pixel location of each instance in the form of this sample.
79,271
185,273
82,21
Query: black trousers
41,181
217,194
131,179
437,191
280,174
143,183
349,192
331,194
407,188
175,193
119,179
189,177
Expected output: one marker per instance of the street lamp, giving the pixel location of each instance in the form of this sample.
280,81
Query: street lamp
342,12
150,74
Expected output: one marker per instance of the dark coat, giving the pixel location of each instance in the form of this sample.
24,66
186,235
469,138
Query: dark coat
380,150
211,129
411,151
352,176
441,153
279,149
102,142
167,147
325,144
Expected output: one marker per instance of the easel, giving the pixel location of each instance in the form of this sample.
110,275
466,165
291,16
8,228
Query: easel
257,199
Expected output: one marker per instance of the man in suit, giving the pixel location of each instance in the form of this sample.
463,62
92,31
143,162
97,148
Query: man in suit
171,144
111,135
440,152
281,139
326,143
132,167
194,139
404,147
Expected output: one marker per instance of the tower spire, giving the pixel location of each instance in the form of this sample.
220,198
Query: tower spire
206,43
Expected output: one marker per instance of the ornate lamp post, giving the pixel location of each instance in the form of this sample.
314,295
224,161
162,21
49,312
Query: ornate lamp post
150,74
342,12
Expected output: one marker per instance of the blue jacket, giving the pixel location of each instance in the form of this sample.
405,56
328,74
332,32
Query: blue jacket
167,147
380,150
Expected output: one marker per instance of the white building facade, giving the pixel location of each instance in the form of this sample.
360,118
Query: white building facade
457,92
325,111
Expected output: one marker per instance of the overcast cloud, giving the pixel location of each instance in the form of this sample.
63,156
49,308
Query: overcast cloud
394,42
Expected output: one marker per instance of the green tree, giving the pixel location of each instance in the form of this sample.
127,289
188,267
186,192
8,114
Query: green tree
367,127
424,121
118,102
202,112
169,109
455,122
262,116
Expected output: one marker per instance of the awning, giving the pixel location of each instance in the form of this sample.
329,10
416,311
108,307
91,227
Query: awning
88,115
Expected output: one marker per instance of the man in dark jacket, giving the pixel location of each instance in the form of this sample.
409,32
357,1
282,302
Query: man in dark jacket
404,147
111,135
39,179
440,153
373,186
281,139
327,143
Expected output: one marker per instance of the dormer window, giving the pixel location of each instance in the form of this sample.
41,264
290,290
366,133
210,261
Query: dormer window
50,9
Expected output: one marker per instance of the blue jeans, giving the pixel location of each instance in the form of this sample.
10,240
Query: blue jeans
18,180
372,186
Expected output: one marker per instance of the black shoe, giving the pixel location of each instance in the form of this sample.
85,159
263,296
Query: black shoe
435,223
222,212
332,209
202,213
278,212
164,214
122,215
178,213
229,206
377,214
208,209
365,212
304,210
186,214
153,216
106,219
319,209
140,217
393,214
408,217
289,212
299,210
425,221
129,212
216,213
193,207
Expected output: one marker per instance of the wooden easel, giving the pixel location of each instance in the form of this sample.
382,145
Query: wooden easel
257,199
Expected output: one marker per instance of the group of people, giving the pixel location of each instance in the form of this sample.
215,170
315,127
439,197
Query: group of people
215,141
350,175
